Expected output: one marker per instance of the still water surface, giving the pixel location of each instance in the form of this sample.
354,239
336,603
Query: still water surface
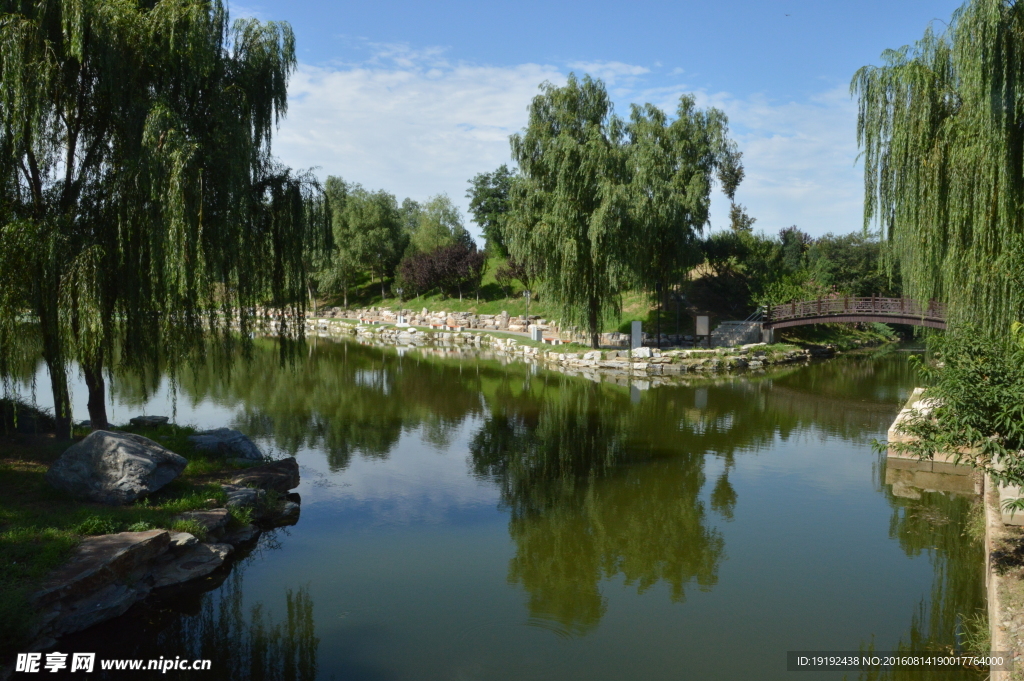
464,519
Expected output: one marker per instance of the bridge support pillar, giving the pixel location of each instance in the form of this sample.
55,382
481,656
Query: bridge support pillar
767,335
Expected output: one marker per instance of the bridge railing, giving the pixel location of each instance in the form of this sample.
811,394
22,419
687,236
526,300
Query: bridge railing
840,305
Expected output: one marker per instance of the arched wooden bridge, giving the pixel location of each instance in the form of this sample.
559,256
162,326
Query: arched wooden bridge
847,309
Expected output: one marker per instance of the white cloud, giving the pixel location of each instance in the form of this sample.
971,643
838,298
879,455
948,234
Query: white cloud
611,72
414,123
408,122
801,162
800,158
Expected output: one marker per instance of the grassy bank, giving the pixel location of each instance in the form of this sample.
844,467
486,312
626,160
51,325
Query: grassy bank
41,526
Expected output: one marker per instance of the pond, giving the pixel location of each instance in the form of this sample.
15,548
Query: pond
469,519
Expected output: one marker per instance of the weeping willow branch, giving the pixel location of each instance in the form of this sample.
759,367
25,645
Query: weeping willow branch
941,128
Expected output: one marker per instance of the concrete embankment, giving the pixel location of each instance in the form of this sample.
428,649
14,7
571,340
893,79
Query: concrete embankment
1003,536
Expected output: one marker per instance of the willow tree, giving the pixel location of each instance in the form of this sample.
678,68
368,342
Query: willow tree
569,206
671,165
941,124
140,206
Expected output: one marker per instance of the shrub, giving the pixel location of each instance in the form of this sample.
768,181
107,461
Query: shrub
978,404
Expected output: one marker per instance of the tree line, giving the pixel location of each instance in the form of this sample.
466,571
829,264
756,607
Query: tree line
595,207
137,221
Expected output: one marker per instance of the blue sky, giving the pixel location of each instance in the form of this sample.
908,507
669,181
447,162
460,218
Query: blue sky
417,97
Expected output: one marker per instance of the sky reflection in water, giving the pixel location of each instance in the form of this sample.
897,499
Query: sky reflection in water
464,519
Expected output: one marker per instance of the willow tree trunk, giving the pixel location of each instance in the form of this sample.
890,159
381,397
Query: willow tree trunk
97,395
58,373
595,336
61,396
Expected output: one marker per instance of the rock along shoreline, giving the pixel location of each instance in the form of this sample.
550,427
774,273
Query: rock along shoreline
640,363
110,573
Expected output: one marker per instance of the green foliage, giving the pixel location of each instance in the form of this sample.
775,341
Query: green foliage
850,264
140,526
94,525
193,527
369,235
743,270
977,636
438,224
602,206
941,124
489,204
739,220
670,168
241,517
977,403
139,201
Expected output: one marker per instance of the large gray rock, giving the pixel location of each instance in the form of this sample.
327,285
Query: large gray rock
226,442
114,468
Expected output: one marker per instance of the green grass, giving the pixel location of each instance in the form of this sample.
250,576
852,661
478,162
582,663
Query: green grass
41,526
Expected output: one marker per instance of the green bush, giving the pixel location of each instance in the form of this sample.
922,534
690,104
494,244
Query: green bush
978,403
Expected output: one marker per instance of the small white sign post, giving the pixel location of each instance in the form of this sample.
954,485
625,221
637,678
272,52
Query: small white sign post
703,328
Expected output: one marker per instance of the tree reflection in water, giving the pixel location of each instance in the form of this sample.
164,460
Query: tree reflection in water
577,514
597,488
242,642
934,525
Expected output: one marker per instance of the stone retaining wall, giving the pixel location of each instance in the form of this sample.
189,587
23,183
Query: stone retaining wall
642,362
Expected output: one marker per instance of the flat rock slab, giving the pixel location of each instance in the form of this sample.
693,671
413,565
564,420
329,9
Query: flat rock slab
226,442
148,421
197,561
214,520
100,561
114,468
109,602
280,475
242,497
